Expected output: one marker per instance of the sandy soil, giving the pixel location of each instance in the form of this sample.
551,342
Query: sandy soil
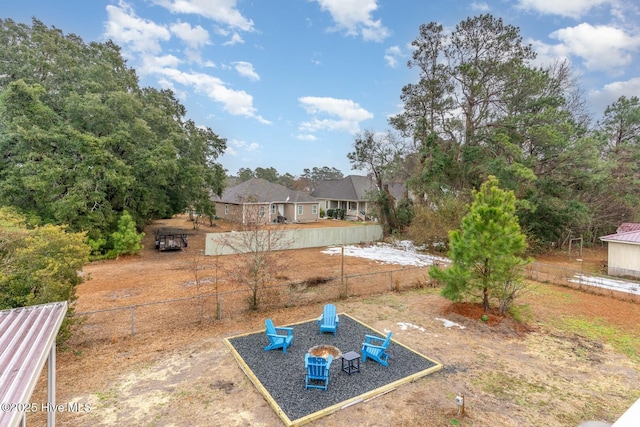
541,373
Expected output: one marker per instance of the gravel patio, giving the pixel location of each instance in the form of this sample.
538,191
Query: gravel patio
281,377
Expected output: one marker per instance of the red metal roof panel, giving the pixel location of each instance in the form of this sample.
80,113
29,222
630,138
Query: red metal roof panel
632,237
628,226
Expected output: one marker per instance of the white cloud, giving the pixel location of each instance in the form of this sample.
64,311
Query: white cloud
354,16
235,146
236,102
333,106
143,38
245,69
235,39
610,93
569,8
601,47
330,125
391,61
194,37
306,137
391,56
547,54
153,63
221,11
139,35
168,84
349,114
193,55
480,6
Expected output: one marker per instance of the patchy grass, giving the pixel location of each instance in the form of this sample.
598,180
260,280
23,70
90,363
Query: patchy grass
390,300
108,398
598,329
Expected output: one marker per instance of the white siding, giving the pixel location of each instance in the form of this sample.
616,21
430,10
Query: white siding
623,259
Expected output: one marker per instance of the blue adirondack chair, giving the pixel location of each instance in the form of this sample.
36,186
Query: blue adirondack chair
279,337
317,371
375,348
328,321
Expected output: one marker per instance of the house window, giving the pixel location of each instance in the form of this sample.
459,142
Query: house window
314,209
226,209
353,206
261,210
273,209
300,209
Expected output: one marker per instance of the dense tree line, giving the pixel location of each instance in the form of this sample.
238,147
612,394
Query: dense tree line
480,108
82,143
305,182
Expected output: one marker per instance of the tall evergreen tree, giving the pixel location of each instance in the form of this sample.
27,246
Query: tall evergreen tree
486,252
620,131
480,108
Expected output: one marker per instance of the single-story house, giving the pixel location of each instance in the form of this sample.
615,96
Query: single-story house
351,193
624,251
260,200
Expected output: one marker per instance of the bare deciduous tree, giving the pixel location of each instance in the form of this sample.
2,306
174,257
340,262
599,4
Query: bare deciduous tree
258,260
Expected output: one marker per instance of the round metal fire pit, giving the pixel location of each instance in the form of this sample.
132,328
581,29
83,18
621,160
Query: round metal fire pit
325,351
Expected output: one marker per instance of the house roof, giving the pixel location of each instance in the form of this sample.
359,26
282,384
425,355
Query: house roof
628,226
352,187
27,335
258,190
632,237
397,190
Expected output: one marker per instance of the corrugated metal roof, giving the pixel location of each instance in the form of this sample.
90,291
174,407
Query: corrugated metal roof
27,334
628,226
632,237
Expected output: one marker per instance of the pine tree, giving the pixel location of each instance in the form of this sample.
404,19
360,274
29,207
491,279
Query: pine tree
126,240
486,251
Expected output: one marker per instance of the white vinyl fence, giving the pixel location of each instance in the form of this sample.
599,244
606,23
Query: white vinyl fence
297,238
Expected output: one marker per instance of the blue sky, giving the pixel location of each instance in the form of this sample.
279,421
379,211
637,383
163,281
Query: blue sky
289,83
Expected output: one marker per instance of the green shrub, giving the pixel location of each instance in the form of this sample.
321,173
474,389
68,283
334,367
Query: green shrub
127,239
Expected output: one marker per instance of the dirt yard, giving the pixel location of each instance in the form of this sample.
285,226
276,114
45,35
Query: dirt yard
576,357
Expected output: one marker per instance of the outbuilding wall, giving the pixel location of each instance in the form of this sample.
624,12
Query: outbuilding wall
623,259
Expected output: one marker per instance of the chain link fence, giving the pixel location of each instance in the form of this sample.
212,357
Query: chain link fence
626,289
115,323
